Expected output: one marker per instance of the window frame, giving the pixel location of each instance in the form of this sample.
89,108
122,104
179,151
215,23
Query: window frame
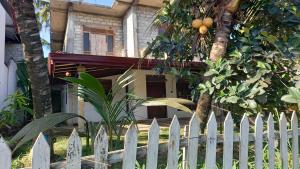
99,31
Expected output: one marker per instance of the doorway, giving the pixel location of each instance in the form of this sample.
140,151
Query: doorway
156,88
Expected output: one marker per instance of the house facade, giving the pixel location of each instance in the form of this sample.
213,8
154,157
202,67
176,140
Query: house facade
11,52
106,41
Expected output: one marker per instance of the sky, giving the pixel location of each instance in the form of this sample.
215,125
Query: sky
45,33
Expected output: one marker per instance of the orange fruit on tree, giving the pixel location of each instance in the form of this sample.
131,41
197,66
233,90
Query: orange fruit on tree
203,29
208,22
196,23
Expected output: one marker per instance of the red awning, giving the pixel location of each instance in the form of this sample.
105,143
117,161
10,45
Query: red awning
100,66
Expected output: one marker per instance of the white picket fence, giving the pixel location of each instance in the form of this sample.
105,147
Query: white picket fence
102,159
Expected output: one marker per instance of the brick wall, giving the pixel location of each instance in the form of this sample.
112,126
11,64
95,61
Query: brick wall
100,22
145,32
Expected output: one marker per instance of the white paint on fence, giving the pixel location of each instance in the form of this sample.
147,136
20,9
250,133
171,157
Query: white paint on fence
74,151
244,139
5,155
153,141
192,150
294,124
228,142
41,153
283,142
102,158
271,142
173,144
101,149
258,142
130,145
211,143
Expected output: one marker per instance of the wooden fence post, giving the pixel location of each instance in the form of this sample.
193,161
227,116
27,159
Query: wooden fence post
101,149
192,150
244,140
228,142
283,141
258,142
74,151
294,125
153,141
41,153
211,143
271,141
5,155
130,145
173,144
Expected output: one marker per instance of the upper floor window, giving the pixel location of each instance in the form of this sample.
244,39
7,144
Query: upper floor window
97,41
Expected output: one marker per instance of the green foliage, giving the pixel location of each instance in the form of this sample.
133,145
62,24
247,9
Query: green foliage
117,112
114,112
292,97
23,83
32,129
262,54
14,102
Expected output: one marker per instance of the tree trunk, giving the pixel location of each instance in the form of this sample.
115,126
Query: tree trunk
218,50
28,30
26,21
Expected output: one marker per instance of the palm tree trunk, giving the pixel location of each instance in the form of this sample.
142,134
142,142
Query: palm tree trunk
28,30
218,50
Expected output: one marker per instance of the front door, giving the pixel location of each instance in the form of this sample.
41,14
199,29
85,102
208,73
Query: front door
156,88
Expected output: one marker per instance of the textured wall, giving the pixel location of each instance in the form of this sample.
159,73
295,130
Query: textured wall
3,67
13,51
93,21
145,31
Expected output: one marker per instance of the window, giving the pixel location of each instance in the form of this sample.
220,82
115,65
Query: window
109,41
86,42
98,41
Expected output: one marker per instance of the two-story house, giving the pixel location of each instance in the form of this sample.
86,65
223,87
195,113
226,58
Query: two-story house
105,41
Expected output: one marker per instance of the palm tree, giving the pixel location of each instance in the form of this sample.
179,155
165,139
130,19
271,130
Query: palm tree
24,13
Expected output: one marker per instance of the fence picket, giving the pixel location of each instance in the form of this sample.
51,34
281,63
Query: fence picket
192,150
244,140
271,141
228,142
258,142
130,145
41,153
5,155
74,151
283,141
153,141
173,144
101,149
295,140
211,142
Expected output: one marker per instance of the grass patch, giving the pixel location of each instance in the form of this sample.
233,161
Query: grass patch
22,157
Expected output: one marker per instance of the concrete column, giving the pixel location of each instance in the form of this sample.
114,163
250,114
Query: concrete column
131,33
70,33
81,104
